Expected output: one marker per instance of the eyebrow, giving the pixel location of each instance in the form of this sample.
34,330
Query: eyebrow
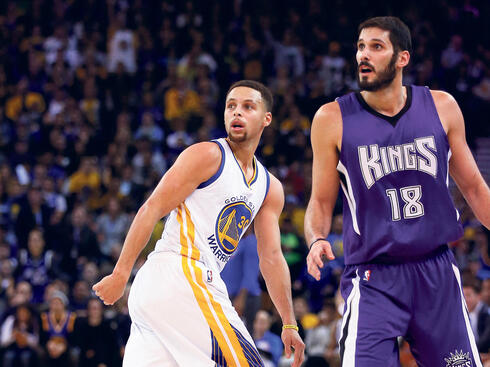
245,100
371,40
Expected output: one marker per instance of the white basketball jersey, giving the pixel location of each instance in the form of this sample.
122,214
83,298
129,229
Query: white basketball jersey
208,225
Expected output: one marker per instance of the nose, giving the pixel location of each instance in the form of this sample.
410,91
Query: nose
363,55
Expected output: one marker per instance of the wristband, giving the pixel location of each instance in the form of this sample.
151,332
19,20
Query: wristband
284,327
318,239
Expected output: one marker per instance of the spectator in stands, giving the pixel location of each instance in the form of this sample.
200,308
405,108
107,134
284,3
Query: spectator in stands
36,265
479,314
33,213
112,226
56,331
20,339
95,338
265,340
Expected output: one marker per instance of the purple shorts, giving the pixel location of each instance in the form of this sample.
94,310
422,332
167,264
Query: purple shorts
420,300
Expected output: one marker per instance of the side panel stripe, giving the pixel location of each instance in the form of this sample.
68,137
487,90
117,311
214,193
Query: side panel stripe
349,326
349,194
211,309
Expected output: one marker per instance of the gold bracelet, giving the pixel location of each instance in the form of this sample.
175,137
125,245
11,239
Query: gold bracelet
295,327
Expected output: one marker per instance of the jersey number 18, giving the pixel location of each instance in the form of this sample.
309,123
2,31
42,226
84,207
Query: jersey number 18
412,207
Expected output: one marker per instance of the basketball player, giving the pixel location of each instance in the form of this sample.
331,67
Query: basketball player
180,310
391,148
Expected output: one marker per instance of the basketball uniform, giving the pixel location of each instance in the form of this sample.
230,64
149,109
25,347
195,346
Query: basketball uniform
179,306
400,277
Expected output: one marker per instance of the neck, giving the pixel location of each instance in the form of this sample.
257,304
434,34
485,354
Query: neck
244,152
389,100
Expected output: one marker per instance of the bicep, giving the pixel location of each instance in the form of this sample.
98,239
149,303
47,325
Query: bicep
266,222
462,165
194,166
324,142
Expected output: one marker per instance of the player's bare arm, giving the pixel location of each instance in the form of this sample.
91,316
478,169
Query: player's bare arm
195,165
462,165
274,267
326,139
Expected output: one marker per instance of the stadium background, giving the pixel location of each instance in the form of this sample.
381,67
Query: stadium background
97,99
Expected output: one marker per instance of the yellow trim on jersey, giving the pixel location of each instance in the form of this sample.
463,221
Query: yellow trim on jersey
212,311
255,173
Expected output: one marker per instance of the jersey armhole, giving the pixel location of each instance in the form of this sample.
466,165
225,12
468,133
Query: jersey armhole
214,177
267,175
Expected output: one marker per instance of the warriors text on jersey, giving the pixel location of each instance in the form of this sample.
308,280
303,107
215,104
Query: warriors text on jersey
217,213
394,175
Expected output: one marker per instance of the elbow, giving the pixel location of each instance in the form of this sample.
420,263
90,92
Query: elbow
148,211
271,261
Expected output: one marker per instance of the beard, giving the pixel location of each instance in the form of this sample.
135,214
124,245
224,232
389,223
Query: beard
237,139
384,78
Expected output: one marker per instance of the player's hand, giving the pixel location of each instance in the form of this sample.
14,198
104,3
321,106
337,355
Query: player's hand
110,288
314,261
293,343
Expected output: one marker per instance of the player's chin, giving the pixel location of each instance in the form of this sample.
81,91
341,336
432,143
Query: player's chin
237,137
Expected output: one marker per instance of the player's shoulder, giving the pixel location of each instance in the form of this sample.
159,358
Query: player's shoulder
204,156
208,150
327,125
276,192
328,112
442,98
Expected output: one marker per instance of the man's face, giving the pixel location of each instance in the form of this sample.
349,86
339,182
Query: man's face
376,59
245,114
471,297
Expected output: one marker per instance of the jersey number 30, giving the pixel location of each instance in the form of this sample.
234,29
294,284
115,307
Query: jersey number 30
411,196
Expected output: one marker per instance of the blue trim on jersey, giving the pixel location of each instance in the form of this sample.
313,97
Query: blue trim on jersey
249,350
216,352
218,173
267,174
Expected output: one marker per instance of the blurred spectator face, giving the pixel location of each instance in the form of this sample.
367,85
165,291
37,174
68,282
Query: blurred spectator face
56,305
485,291
48,184
34,196
147,119
23,291
471,297
337,224
23,314
81,291
6,268
95,309
79,216
4,250
148,99
90,273
113,207
35,243
262,322
300,307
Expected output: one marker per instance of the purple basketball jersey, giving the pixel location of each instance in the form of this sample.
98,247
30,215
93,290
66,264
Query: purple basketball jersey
394,176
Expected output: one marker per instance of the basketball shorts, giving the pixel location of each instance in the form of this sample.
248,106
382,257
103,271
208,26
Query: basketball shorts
421,301
181,316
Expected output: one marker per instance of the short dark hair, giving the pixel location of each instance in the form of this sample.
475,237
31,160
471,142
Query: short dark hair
400,36
264,91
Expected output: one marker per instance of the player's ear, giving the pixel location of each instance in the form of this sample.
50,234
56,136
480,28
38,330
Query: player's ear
403,58
267,119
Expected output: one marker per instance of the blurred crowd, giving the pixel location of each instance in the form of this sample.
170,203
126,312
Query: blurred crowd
98,98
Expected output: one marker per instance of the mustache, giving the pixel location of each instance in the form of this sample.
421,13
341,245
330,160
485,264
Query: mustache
365,63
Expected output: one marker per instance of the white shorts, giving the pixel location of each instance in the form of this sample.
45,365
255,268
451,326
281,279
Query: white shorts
182,316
